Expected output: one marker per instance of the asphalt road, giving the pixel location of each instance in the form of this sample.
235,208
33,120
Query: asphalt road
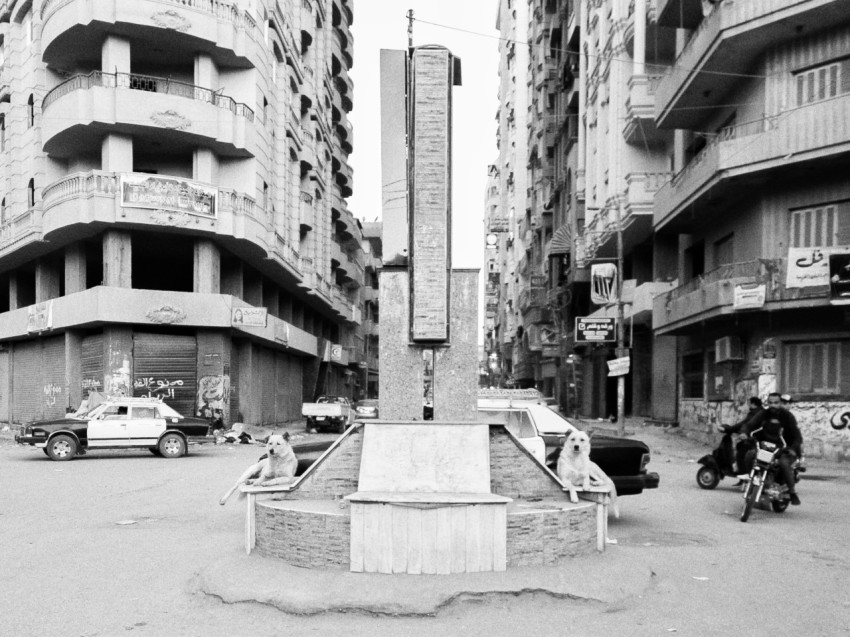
112,544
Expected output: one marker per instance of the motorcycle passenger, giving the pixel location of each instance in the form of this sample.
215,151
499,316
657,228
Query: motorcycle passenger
773,425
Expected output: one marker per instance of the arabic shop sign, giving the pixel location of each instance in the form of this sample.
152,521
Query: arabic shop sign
749,297
809,267
595,330
167,193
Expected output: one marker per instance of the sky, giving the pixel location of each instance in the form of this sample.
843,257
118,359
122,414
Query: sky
382,24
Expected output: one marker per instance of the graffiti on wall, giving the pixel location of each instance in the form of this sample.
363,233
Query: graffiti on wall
840,420
118,380
91,384
214,393
51,391
151,387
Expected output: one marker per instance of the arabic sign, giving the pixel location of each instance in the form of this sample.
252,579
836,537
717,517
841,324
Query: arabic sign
248,316
40,317
167,193
619,366
595,330
749,297
809,267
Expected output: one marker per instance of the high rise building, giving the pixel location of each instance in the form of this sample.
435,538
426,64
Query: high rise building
174,179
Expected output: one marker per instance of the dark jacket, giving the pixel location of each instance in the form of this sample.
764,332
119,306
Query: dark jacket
774,425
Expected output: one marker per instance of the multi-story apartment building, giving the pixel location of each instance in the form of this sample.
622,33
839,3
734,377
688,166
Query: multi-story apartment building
756,222
506,260
169,170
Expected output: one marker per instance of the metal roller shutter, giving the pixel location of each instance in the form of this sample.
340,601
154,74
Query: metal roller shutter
27,381
267,377
91,365
165,365
55,395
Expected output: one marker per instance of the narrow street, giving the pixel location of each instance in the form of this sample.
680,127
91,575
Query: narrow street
114,542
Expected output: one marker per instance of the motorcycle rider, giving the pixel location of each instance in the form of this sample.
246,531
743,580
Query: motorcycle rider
744,445
773,425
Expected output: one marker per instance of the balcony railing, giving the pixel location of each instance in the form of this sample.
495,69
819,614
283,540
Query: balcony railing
227,11
746,269
147,83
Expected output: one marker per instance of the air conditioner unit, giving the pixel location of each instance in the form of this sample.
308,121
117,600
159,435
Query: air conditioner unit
728,348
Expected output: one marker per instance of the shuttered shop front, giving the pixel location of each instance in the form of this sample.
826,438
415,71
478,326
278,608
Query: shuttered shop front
39,379
166,365
91,365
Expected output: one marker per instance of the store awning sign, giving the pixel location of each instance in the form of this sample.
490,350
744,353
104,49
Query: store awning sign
595,330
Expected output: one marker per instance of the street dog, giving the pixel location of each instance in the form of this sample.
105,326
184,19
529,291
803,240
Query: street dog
276,467
578,472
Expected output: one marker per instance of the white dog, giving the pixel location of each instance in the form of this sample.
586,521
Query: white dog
276,467
577,471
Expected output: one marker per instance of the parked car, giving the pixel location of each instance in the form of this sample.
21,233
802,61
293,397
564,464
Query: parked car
542,431
328,412
118,423
366,408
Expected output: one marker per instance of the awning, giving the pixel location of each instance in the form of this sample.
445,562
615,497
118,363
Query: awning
561,241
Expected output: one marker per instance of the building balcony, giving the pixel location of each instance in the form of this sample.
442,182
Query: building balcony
306,215
739,31
82,204
640,129
73,29
157,108
638,301
21,230
705,297
636,216
738,158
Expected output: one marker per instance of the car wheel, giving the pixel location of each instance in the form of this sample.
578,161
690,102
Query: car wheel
340,428
707,478
172,446
61,447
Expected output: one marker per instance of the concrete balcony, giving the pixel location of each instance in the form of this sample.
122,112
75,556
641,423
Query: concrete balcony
640,129
638,301
73,30
157,108
739,157
19,231
706,297
82,204
306,216
739,31
103,305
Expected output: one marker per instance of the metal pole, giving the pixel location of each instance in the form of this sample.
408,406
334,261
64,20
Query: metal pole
621,348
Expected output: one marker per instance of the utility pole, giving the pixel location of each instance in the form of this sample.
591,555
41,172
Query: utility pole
410,28
621,324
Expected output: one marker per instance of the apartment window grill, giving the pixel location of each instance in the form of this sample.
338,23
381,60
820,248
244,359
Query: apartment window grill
815,227
818,84
813,368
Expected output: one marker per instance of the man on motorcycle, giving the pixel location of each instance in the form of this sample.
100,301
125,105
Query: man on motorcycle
776,424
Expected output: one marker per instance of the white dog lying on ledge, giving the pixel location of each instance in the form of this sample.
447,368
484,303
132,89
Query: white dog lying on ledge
276,467
578,472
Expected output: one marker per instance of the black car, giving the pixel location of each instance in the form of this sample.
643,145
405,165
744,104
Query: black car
119,423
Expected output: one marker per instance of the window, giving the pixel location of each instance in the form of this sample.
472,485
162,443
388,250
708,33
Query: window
31,111
812,368
3,211
818,84
144,412
692,375
2,132
31,194
114,412
820,227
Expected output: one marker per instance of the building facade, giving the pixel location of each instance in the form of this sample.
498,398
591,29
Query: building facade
702,146
174,179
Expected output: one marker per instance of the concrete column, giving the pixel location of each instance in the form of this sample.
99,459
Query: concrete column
249,408
73,367
118,361
456,366
117,259
47,284
13,291
115,54
205,166
75,268
207,268
232,281
664,381
206,72
640,38
116,153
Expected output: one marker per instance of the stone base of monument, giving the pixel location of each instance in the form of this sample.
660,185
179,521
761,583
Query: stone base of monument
462,497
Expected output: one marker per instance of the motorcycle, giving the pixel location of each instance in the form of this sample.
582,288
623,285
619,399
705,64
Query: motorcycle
765,484
717,465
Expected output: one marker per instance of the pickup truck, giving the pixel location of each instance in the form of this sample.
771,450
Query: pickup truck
328,412
542,431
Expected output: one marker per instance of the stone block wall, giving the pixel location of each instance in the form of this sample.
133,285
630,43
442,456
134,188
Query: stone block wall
536,539
336,477
513,474
305,539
